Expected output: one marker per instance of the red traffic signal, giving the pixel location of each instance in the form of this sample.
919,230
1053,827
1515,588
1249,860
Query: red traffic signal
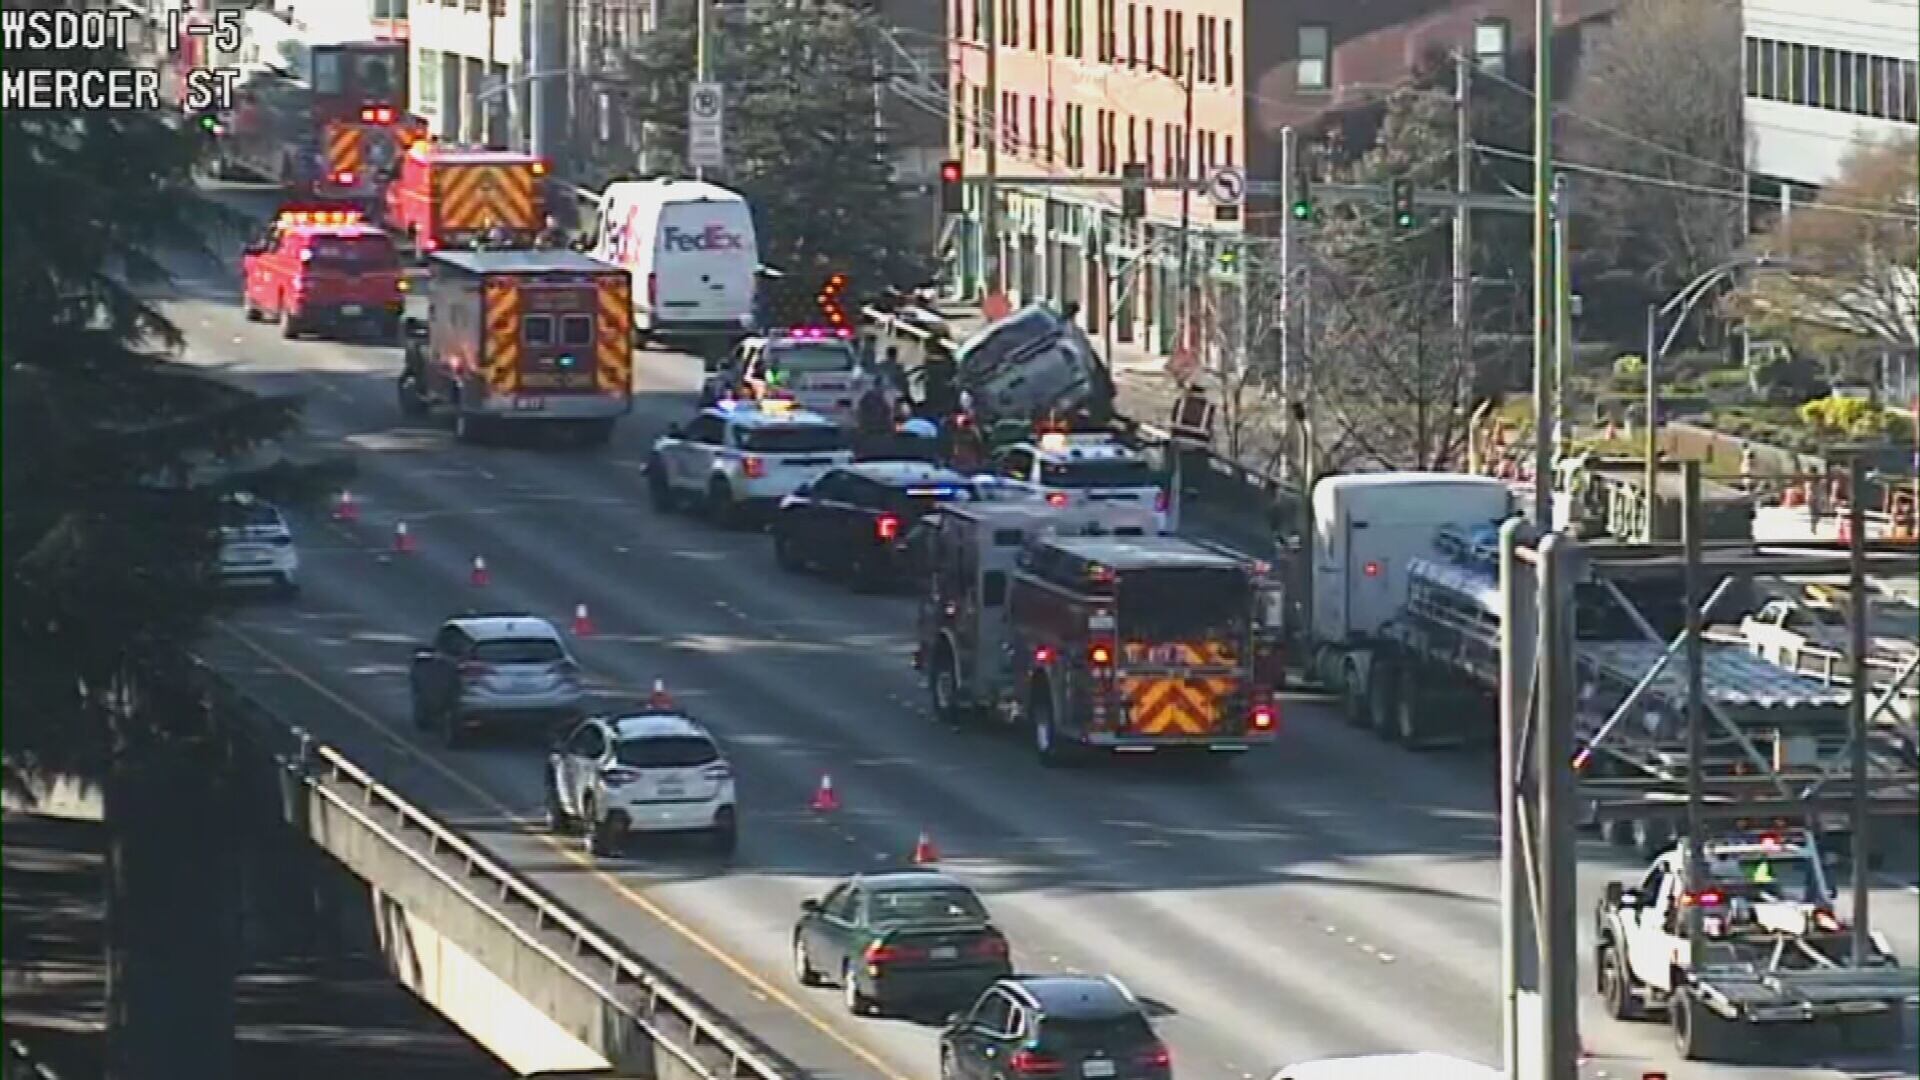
952,195
949,172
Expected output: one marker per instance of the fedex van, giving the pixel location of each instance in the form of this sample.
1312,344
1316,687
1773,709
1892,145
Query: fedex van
691,249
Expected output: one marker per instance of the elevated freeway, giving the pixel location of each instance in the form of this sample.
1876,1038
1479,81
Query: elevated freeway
1334,895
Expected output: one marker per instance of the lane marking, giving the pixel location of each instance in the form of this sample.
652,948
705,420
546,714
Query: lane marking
754,981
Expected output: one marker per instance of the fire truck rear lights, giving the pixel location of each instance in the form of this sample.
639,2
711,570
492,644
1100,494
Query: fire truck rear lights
539,168
1824,920
1101,655
1056,498
1263,717
887,528
1043,655
344,178
320,217
1707,898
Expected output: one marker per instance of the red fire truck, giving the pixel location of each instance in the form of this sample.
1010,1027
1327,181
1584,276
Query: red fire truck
330,125
1082,627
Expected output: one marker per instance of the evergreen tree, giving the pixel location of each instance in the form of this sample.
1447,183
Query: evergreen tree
802,146
117,458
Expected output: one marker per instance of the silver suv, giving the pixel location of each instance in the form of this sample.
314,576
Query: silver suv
493,671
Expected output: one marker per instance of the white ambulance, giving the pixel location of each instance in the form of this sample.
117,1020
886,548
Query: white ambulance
691,248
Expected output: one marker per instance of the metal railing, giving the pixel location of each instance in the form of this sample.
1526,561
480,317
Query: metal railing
18,1063
673,1016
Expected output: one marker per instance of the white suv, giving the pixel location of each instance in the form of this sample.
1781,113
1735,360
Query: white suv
1081,469
651,771
739,455
256,546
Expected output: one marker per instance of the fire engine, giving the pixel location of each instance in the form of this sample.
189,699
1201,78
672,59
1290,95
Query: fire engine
321,118
520,338
1083,626
446,197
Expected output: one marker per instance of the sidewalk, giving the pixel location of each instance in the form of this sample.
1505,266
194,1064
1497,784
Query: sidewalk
298,1019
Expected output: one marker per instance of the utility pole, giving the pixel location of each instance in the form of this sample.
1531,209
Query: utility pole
1185,321
1289,164
702,66
1543,306
544,43
990,192
1462,217
1649,530
1562,320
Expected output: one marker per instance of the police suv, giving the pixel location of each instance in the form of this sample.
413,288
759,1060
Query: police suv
742,455
1078,469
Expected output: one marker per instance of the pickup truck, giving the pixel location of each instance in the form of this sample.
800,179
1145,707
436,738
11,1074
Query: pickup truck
1775,958
1811,639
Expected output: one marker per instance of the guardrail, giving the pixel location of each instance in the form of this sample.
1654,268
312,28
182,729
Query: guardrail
673,1017
20,1064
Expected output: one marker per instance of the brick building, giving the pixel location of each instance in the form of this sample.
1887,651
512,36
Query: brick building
1086,86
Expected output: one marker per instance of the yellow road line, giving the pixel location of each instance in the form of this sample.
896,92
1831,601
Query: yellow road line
571,854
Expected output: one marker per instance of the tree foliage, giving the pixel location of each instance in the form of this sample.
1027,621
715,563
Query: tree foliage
802,145
117,458
1659,96
1853,254
1393,381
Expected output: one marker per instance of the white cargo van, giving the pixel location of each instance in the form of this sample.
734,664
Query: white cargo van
1389,1067
691,248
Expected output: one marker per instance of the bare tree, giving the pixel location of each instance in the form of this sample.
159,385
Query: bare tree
1854,251
1659,96
1239,310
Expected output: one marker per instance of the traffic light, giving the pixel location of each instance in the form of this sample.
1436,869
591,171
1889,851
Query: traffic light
832,300
952,194
1401,191
1302,207
1133,190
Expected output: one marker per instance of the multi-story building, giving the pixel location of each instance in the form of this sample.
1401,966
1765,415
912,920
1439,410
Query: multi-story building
1086,86
470,75
1824,77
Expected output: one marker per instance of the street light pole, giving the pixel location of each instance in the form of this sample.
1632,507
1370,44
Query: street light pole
990,191
1544,308
1186,208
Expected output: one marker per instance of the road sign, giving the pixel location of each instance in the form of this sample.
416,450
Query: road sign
706,126
1227,187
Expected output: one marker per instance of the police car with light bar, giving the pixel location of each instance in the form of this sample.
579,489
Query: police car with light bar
817,368
650,770
739,456
1081,468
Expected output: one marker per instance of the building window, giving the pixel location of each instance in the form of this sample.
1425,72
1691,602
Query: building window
1033,25
427,83
1226,44
960,101
977,126
1491,40
1180,57
1227,158
1146,144
1046,152
1013,123
1010,24
1313,49
1133,140
1133,30
959,18
1166,39
1146,38
1110,40
1033,126
1074,17
1836,80
980,20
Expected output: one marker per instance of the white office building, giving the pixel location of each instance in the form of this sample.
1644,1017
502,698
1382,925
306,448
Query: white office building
469,68
1824,77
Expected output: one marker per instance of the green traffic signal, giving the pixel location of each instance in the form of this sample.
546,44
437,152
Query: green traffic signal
1405,221
1302,210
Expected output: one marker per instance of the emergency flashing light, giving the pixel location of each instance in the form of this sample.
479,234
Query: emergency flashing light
291,218
344,178
566,361
1053,441
1100,655
1043,654
886,528
1263,717
1056,498
421,150
1706,898
539,168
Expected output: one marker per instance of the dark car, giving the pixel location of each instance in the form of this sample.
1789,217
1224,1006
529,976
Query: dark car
1071,1027
899,939
853,522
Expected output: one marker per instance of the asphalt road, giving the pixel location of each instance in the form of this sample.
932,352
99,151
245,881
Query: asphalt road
1331,896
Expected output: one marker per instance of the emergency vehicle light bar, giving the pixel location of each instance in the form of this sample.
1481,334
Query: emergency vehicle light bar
290,218
812,333
376,114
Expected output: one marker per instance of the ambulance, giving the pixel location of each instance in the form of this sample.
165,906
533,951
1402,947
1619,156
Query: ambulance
693,254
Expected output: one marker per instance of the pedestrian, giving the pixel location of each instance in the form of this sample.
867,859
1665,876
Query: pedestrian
1070,311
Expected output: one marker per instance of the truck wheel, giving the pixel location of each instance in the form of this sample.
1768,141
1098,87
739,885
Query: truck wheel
559,822
1409,719
659,492
720,505
943,687
289,326
1353,705
1046,741
251,313
1616,985
1696,1028
1382,697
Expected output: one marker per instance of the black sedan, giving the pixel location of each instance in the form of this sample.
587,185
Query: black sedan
1060,1027
853,521
910,938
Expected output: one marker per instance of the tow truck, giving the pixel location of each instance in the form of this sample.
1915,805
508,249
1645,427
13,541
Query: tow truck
506,339
1095,633
1774,956
453,196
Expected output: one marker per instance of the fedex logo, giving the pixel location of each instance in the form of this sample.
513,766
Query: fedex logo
711,238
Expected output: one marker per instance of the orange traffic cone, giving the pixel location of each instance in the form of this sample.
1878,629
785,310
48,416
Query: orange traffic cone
582,622
479,577
825,799
345,509
402,539
924,853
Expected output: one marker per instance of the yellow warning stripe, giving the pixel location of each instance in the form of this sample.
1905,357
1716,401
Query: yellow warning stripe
473,197
502,360
613,346
343,149
1172,704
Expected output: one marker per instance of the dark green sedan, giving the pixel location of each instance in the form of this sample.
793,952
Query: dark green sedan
909,938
